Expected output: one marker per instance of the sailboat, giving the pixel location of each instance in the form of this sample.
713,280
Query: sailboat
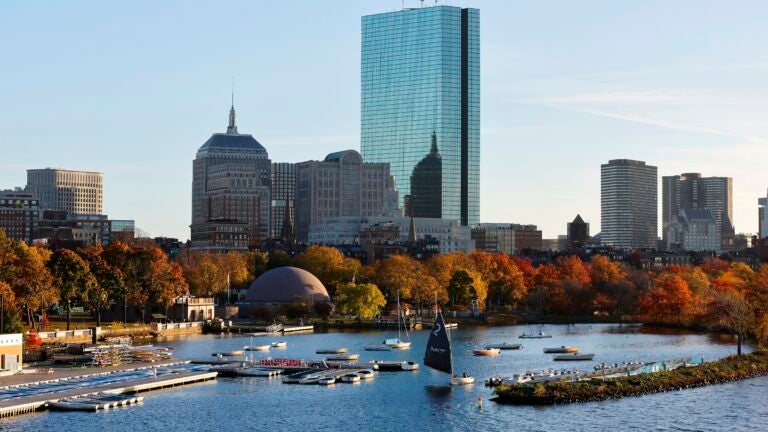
398,343
438,354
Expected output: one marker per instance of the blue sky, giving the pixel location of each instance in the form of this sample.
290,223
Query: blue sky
132,89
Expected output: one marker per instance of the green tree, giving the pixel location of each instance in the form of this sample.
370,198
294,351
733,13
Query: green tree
364,300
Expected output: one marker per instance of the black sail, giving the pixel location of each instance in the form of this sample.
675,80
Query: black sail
438,354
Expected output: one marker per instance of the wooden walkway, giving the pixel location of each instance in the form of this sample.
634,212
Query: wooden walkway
33,403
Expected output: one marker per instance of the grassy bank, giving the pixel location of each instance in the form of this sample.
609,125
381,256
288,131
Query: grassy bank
726,370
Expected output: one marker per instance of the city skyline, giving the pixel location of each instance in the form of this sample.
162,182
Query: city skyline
553,108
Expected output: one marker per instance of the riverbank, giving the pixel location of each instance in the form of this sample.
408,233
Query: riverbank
733,368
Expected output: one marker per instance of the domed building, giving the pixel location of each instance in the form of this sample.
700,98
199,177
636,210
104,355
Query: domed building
285,285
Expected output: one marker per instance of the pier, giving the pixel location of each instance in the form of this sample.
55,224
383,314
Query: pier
29,404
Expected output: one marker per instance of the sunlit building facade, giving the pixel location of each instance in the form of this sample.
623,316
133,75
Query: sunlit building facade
420,75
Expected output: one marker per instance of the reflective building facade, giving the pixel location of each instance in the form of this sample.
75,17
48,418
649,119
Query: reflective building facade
420,74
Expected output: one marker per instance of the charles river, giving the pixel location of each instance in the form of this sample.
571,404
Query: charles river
397,401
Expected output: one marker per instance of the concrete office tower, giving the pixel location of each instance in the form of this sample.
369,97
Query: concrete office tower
283,195
628,204
578,232
71,191
230,191
692,191
339,186
420,74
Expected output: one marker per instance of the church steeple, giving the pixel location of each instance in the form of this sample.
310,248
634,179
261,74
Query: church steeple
232,128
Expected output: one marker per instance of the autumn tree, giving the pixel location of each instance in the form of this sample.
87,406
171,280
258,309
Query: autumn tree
329,265
109,284
465,287
33,283
71,276
364,300
730,311
506,283
668,301
397,274
603,271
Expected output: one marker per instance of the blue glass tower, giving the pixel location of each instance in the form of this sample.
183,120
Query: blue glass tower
420,76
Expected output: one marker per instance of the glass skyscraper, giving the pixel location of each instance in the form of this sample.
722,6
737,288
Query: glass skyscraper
421,75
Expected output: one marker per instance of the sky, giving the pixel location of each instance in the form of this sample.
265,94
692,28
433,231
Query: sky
132,89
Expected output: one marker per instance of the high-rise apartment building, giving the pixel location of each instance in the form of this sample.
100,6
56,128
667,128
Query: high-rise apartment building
19,214
230,191
420,78
628,204
762,217
283,196
694,192
67,190
341,186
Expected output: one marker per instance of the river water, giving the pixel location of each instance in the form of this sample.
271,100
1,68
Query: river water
418,401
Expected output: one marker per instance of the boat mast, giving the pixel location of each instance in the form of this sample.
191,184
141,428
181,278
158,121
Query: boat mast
398,314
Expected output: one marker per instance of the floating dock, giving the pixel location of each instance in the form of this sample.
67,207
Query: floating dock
34,403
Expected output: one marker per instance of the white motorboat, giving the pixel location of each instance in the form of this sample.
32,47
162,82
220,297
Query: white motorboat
409,366
462,380
350,378
327,380
344,357
561,350
311,378
279,344
366,374
331,351
505,346
486,352
539,335
256,348
396,343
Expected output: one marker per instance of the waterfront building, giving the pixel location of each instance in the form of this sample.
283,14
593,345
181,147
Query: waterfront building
190,308
286,285
283,197
692,191
449,234
420,78
628,204
11,352
19,214
231,179
578,232
506,238
67,190
341,185
693,230
762,217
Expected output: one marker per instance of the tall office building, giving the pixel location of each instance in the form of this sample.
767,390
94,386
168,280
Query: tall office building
420,77
341,186
71,191
230,191
629,204
283,195
691,191
578,232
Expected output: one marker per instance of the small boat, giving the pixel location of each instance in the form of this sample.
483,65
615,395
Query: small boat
350,378
344,357
409,366
296,378
505,346
573,357
462,380
73,406
366,374
561,350
327,380
331,351
396,343
486,352
312,378
256,347
378,348
539,335
280,344
228,354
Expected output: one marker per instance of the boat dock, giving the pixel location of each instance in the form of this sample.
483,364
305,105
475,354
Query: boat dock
29,404
272,330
